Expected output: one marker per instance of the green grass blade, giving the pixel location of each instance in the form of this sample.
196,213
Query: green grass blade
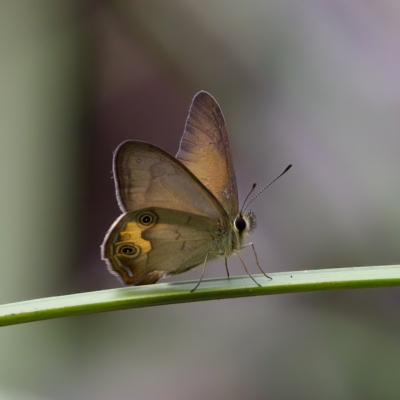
211,289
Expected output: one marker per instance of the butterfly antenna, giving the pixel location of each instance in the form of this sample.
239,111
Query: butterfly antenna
265,187
251,191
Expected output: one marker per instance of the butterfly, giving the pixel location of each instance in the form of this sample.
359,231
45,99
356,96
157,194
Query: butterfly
178,212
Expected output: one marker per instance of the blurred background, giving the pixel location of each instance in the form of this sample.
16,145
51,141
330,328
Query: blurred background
314,83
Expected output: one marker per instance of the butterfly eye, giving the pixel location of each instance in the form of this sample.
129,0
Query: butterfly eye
240,223
146,219
128,250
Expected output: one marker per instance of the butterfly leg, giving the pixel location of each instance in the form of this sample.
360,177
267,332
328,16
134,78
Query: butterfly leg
202,275
255,254
226,266
245,268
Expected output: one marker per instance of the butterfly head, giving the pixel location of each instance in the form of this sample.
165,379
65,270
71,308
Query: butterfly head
245,223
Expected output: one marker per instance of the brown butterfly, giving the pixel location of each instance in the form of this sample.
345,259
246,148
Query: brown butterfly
178,212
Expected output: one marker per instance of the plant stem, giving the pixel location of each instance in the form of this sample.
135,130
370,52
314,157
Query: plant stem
211,289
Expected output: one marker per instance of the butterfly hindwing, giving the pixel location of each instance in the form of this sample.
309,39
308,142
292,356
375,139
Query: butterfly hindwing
145,245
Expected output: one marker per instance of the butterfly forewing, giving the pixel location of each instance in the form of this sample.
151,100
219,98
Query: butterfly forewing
147,176
205,150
